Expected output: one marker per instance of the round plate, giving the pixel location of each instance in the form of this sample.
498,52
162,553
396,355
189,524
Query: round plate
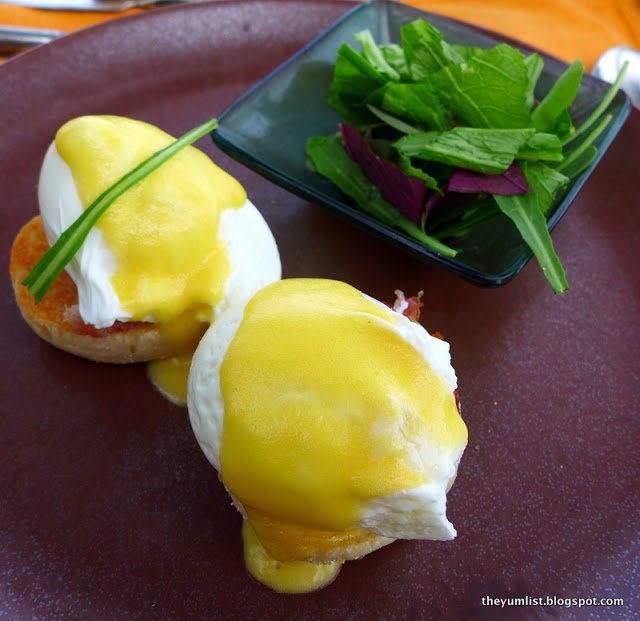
110,511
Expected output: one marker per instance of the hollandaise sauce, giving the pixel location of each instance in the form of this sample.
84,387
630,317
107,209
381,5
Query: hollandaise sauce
325,406
284,576
170,375
171,266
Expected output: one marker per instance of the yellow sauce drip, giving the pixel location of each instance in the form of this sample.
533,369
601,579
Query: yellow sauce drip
317,421
171,265
170,377
284,577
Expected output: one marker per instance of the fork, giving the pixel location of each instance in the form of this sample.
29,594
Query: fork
89,5
14,39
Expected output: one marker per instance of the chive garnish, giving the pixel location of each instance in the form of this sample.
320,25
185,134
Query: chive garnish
41,277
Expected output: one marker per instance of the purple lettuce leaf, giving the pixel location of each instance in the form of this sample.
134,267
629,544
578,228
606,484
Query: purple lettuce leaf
510,182
404,192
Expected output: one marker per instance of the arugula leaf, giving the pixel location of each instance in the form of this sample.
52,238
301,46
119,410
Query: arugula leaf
392,121
425,49
464,52
407,167
580,162
330,159
354,75
374,56
484,150
473,213
564,126
416,102
527,212
354,79
601,107
542,147
545,184
535,65
394,55
547,114
577,151
490,90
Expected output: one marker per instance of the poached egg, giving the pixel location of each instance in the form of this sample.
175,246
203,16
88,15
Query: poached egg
332,422
175,250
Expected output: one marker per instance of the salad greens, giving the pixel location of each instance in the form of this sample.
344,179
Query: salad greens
331,159
41,277
427,122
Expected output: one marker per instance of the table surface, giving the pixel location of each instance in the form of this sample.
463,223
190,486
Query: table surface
109,510
569,29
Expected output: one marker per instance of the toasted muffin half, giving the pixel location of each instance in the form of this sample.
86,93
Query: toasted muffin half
56,318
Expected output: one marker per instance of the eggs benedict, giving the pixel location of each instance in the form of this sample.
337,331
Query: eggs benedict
162,263
332,422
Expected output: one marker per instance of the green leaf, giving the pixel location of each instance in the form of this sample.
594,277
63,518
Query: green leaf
354,79
392,121
533,228
464,52
548,112
407,167
545,183
425,49
600,108
475,212
564,125
486,150
394,55
527,212
542,146
490,90
417,103
329,158
58,256
580,162
374,55
535,65
576,152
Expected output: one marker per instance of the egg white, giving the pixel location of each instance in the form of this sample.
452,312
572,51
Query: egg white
416,513
253,253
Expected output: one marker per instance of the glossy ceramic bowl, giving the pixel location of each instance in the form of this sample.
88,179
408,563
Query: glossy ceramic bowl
267,128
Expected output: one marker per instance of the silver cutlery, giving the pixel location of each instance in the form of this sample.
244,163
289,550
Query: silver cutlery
89,5
14,40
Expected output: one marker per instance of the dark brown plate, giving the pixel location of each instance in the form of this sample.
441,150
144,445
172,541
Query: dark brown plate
108,509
